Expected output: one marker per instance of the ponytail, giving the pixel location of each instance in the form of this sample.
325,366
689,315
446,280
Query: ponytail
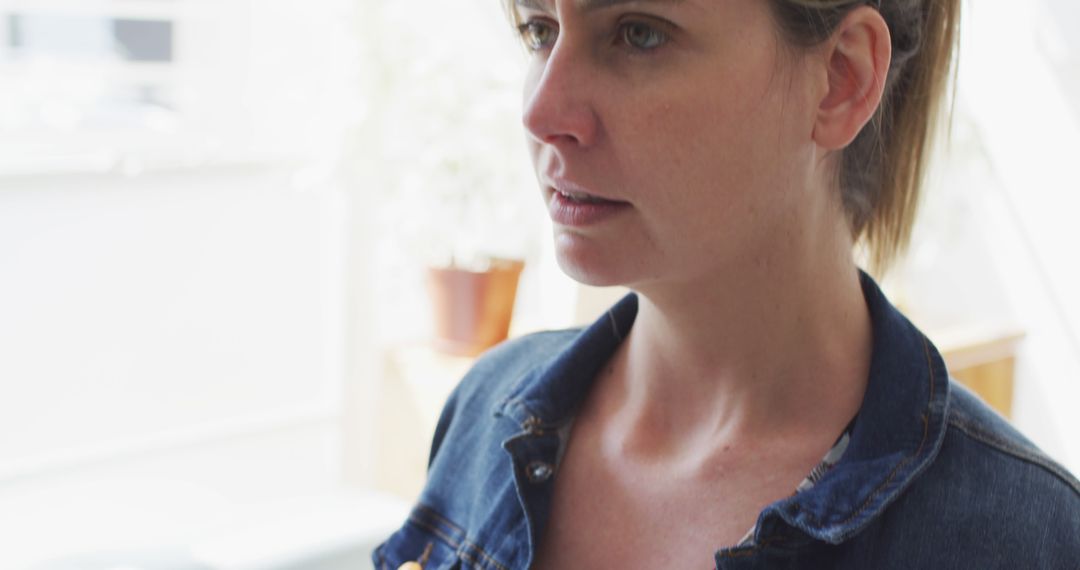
882,171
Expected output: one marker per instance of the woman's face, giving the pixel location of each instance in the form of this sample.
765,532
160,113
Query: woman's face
683,116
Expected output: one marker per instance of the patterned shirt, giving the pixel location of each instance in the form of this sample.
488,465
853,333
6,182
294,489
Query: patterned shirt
827,463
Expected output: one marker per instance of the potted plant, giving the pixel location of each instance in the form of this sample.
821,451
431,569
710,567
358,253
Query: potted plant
459,197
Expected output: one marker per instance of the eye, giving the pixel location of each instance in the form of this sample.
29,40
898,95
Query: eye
642,37
537,34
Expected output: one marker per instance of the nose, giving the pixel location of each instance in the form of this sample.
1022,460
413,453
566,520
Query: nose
558,108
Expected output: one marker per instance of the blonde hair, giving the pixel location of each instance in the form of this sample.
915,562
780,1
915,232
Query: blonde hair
882,171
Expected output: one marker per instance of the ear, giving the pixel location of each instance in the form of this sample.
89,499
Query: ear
856,61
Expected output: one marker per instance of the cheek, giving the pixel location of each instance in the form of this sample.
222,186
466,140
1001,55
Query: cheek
707,144
714,117
712,164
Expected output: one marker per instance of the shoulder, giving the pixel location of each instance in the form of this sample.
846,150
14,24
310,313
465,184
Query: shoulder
989,499
1003,474
976,430
470,479
493,378
985,459
498,372
991,495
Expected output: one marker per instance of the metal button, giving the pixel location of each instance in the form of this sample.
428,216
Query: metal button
538,471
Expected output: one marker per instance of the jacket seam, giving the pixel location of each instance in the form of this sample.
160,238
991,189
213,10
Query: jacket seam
438,517
465,548
516,388
488,560
922,443
1014,451
892,474
465,543
438,532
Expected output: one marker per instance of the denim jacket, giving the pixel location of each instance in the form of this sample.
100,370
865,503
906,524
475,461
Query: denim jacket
931,477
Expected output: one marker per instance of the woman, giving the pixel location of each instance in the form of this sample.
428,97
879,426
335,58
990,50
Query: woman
756,402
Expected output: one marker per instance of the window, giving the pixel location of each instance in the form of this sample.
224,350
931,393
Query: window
172,266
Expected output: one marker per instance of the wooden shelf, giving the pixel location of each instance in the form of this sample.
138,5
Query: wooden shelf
983,358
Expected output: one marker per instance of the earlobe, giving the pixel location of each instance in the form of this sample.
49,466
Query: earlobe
856,62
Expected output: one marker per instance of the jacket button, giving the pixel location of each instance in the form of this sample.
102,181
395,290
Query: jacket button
538,471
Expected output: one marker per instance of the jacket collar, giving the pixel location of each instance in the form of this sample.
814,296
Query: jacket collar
898,432
548,396
896,436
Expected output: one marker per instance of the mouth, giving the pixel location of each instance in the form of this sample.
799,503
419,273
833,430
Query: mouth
576,193
574,207
582,197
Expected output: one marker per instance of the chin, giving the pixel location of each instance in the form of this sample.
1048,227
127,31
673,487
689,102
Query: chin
584,262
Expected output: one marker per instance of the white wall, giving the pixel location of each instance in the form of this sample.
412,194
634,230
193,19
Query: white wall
1026,193
170,345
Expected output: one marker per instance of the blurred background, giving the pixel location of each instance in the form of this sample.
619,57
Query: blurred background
218,227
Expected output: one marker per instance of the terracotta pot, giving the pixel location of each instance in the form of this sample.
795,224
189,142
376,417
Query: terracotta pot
473,309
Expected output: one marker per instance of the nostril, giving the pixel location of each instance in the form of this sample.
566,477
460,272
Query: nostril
568,121
562,139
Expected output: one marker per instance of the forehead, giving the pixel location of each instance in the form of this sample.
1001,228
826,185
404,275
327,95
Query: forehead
591,5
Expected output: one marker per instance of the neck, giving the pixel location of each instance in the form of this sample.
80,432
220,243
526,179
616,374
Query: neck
771,350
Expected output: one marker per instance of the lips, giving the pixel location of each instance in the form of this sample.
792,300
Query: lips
582,197
569,205
577,192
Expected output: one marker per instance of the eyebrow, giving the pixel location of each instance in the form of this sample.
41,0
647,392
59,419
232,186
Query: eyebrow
592,5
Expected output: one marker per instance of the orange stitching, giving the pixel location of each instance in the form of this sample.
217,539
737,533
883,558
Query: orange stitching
922,443
465,543
1018,453
435,514
465,554
426,554
491,560
437,532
